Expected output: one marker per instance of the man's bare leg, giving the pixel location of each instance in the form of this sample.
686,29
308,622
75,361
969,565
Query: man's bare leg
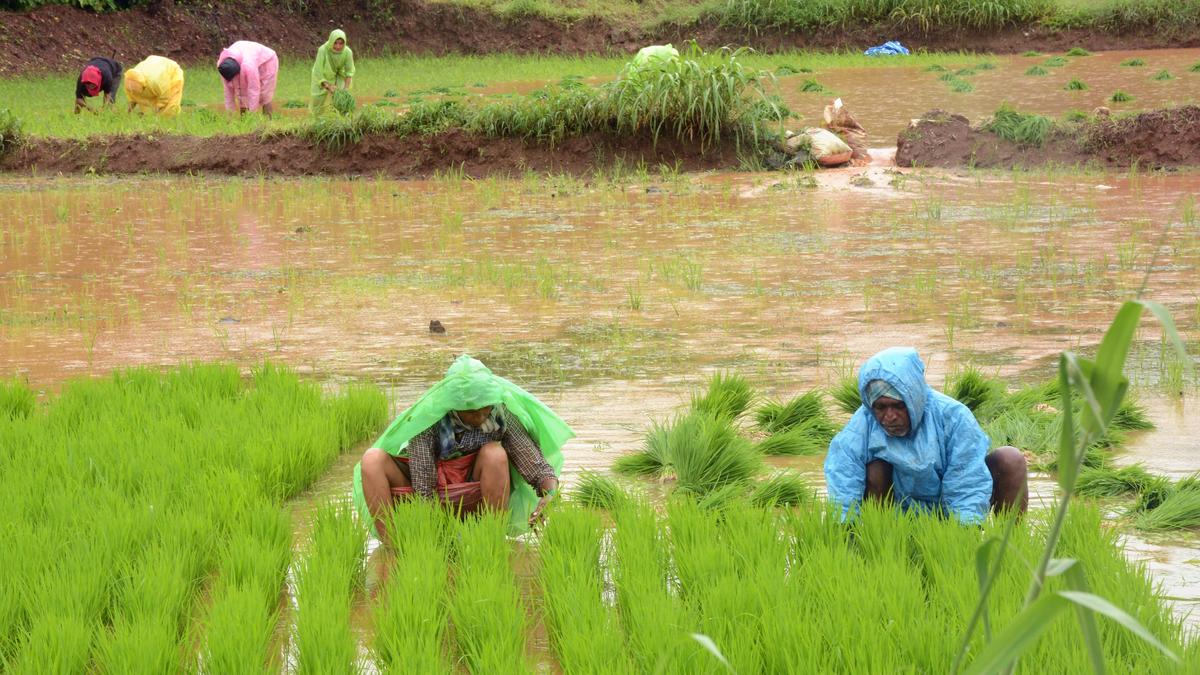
379,475
491,470
879,481
1010,479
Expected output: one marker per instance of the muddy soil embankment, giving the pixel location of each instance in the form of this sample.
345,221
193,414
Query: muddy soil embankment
383,154
1155,139
58,38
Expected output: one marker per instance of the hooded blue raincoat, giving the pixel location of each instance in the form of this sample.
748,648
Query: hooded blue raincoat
939,464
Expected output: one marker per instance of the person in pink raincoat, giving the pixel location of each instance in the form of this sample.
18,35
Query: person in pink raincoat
249,71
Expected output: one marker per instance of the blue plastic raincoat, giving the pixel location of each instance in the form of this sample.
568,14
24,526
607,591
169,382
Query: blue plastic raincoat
939,464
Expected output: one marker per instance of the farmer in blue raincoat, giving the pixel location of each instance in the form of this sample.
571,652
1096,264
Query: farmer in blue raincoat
920,448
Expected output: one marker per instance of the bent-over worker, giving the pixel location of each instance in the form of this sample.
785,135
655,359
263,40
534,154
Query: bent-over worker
473,440
919,447
155,85
248,72
99,74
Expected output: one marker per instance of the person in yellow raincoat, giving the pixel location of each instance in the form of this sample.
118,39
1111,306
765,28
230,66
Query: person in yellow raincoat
155,85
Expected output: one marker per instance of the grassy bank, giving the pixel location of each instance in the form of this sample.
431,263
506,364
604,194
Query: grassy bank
143,514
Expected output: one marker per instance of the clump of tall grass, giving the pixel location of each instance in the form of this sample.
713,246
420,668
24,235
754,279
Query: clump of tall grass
1163,75
782,489
1037,71
1112,482
1133,63
1021,128
11,135
1178,511
597,491
1075,85
1119,96
726,395
1078,51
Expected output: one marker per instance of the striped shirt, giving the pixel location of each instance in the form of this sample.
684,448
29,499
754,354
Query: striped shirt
523,453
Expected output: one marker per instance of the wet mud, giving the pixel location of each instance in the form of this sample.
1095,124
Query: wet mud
1156,139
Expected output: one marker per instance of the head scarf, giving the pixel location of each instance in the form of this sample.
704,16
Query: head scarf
878,388
91,79
229,68
470,385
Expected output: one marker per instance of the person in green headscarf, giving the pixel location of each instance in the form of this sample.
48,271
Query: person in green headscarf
473,440
332,70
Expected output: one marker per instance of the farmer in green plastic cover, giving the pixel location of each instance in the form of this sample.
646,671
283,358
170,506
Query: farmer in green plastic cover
474,440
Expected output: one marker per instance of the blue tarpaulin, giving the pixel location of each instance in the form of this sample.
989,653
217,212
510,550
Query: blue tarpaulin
890,48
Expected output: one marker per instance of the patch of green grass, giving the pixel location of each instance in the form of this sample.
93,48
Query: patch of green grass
1037,71
1133,63
1078,51
1076,85
1022,128
1162,76
1119,96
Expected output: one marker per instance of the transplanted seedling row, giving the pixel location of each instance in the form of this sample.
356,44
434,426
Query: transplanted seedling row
127,501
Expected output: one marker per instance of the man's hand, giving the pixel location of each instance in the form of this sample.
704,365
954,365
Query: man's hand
328,87
549,488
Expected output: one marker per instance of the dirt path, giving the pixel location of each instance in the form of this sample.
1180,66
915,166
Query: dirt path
58,38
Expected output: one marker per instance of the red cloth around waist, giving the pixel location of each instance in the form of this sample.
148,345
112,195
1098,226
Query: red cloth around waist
454,485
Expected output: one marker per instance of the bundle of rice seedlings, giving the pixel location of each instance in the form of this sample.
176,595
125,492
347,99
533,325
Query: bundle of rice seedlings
1154,492
1031,52
795,441
16,399
973,389
812,86
728,395
1120,97
1078,51
654,461
1195,67
1076,85
961,87
343,101
1112,482
1018,127
935,68
722,497
775,416
1133,63
782,489
1055,62
293,104
597,491
1131,416
1191,482
1163,75
708,453
1179,511
1037,71
985,65
846,395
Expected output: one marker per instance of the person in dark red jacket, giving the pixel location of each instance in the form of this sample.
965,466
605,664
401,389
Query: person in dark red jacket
99,74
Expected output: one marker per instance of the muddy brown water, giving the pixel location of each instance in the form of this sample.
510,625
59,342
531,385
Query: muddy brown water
609,299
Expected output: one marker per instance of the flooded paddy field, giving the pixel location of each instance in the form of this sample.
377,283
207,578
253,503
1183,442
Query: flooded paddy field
613,295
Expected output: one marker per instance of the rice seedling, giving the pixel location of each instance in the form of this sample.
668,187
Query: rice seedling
985,65
654,460
1133,63
325,584
10,131
1021,128
782,489
1076,85
965,72
1037,71
1162,76
1179,511
948,77
412,614
16,399
237,633
1032,52
490,622
1195,67
773,416
1055,62
1153,493
583,628
1078,51
935,68
726,395
846,395
343,102
708,453
1119,96
597,491
1112,482
959,86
